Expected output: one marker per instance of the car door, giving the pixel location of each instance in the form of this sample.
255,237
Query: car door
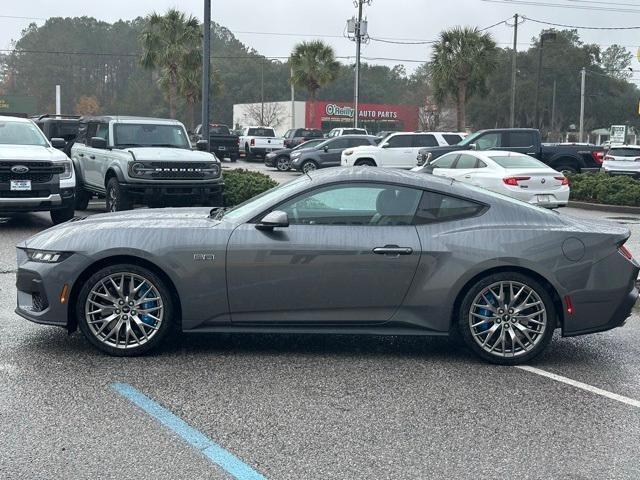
88,157
330,155
349,254
464,168
443,166
397,152
521,142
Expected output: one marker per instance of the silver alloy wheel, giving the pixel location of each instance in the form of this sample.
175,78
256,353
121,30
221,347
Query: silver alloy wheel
282,164
124,310
508,319
113,200
309,166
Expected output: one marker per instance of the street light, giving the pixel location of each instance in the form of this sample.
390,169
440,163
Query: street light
549,36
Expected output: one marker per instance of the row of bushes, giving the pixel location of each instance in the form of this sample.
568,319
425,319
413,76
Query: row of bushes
241,185
601,188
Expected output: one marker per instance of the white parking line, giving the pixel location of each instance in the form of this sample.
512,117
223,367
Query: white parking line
583,386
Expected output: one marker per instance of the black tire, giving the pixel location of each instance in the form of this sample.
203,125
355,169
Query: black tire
282,163
155,339
117,199
566,168
308,166
82,199
365,163
504,322
233,158
62,215
247,152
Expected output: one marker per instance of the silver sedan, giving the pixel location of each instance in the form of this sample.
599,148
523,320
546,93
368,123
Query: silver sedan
351,251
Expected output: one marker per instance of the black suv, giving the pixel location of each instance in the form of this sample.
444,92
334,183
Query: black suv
59,126
296,136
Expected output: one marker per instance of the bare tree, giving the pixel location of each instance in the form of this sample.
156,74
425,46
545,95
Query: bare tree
266,115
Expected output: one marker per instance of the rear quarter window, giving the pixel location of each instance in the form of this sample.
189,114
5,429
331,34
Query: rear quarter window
437,207
452,139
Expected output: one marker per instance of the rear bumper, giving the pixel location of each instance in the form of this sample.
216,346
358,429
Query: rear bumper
265,150
225,150
618,319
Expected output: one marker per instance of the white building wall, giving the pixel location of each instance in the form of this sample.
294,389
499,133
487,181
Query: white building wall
277,115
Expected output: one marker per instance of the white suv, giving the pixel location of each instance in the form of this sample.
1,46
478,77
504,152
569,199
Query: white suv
397,150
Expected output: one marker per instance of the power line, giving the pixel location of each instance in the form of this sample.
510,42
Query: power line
579,7
578,27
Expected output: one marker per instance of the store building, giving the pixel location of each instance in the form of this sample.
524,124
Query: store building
375,117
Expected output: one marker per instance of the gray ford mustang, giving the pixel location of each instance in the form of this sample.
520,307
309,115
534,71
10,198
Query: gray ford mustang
355,250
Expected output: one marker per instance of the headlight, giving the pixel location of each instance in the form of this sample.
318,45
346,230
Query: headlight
68,170
46,256
348,152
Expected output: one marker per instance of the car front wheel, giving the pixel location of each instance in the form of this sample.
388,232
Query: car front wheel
117,198
62,215
124,310
507,318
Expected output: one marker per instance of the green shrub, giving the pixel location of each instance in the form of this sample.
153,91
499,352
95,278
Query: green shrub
241,185
601,188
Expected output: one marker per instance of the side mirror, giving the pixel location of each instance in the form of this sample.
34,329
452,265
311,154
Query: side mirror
273,219
202,145
429,158
325,148
98,142
384,145
58,143
473,146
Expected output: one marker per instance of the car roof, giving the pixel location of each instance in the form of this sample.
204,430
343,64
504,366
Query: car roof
371,137
8,118
625,146
128,119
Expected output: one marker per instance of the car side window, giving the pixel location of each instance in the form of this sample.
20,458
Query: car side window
481,164
338,143
102,131
520,139
400,141
489,141
452,139
91,131
466,161
445,162
358,142
424,141
437,207
354,204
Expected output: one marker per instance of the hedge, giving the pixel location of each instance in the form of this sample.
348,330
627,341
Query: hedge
241,185
606,189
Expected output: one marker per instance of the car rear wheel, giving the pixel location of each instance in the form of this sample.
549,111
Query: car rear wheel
566,168
365,163
308,166
507,318
124,310
283,163
117,199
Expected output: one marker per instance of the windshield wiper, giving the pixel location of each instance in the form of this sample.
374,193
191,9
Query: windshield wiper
167,145
128,145
218,212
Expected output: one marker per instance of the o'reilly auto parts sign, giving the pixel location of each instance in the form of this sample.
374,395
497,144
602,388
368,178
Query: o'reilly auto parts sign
333,110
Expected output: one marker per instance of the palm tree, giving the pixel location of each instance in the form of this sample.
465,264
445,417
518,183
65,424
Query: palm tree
461,61
171,44
313,66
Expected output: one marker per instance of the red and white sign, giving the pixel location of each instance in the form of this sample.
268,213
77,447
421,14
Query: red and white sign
406,115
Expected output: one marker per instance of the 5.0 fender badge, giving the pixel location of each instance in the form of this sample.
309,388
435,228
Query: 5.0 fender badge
204,257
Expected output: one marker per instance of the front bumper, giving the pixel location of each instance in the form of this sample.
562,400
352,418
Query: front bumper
47,201
175,194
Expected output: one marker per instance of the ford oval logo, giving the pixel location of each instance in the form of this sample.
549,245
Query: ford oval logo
543,181
19,169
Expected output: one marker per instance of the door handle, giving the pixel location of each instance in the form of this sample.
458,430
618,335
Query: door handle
92,157
393,250
467,176
81,155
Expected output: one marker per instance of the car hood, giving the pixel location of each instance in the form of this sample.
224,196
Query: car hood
365,149
30,152
131,228
164,154
442,150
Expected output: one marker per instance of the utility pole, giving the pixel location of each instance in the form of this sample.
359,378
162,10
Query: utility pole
58,103
206,57
582,96
262,93
512,122
553,107
358,28
544,36
293,102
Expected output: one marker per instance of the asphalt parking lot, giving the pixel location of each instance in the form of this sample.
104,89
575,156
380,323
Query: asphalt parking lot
312,407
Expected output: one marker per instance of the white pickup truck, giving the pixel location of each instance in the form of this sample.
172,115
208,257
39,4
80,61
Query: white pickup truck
259,141
397,150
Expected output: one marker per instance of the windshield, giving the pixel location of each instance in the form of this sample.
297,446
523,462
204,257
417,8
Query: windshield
470,139
149,135
309,144
254,205
219,130
517,161
21,133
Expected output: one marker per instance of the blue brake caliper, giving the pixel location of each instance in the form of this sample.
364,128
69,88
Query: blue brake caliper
487,313
146,306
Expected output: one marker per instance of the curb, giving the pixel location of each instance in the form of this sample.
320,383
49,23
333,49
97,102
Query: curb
604,208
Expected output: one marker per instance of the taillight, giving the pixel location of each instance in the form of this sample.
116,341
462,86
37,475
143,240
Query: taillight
625,252
598,155
564,180
253,142
513,181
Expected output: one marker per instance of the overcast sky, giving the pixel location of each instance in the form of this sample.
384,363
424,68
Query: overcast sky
390,19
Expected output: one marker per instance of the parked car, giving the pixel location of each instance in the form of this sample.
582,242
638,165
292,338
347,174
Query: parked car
327,153
397,150
338,132
512,174
296,136
59,126
281,159
622,160
34,174
358,251
259,141
142,160
566,158
222,142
